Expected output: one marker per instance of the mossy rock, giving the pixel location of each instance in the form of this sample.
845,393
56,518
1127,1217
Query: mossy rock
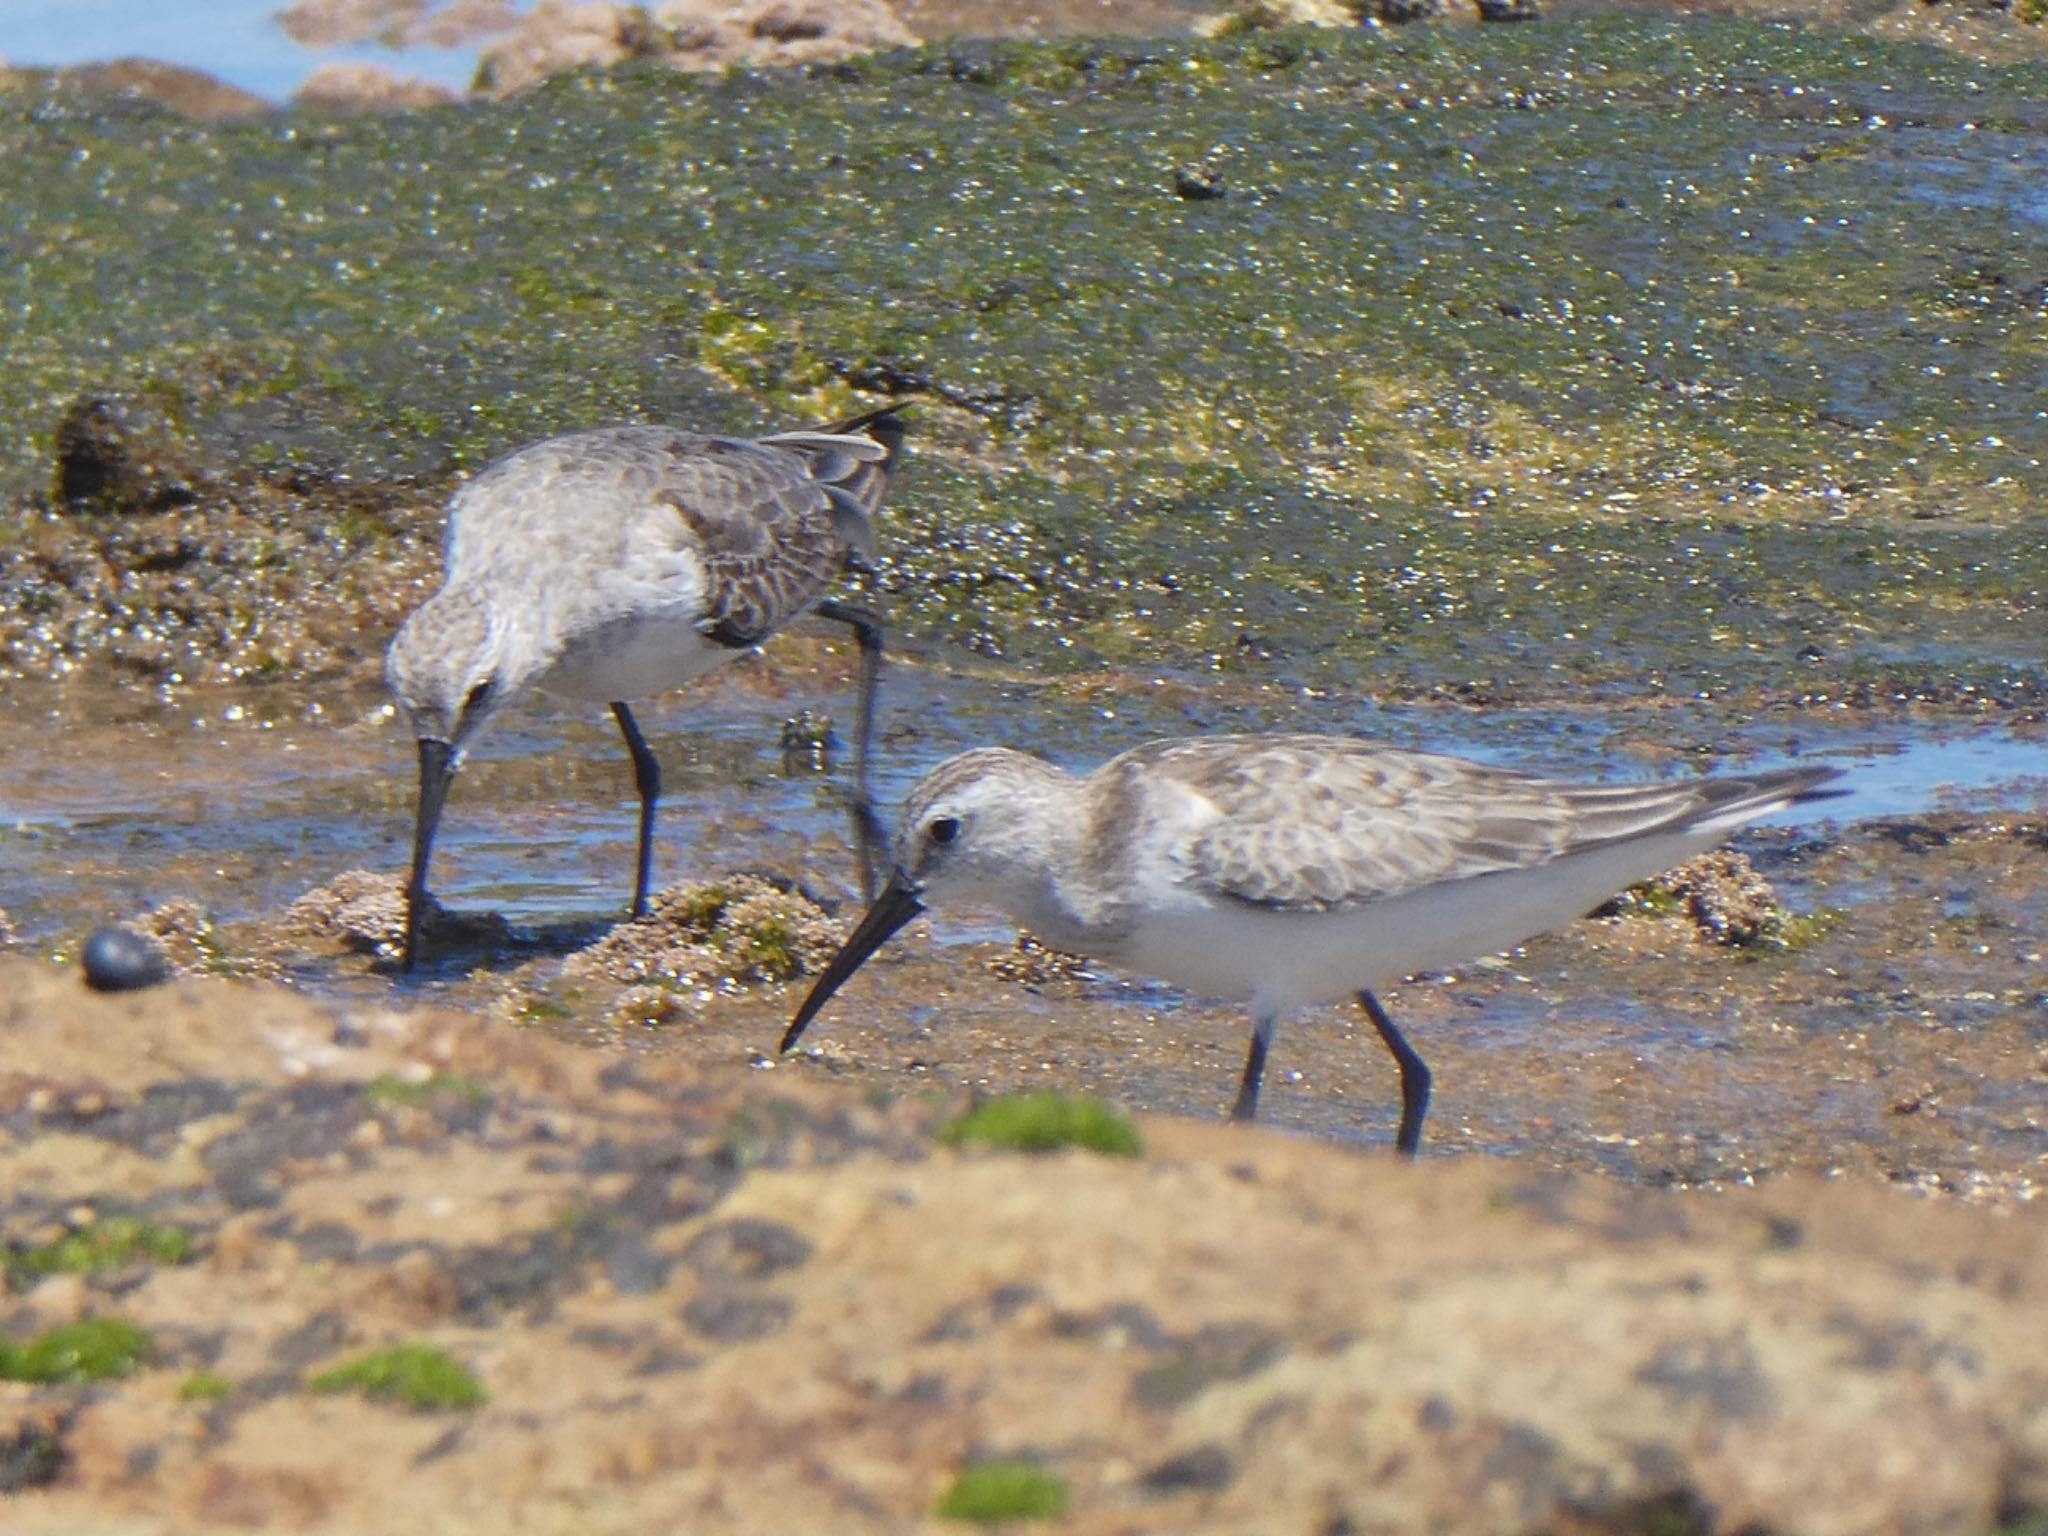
1046,1122
998,1491
416,1375
94,1350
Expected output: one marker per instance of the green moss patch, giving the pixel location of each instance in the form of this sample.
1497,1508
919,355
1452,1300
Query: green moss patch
89,1351
108,1243
402,1093
417,1375
1003,1490
206,1387
1045,1122
1513,359
1790,932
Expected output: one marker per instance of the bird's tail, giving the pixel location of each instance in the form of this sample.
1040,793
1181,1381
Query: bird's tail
883,425
854,459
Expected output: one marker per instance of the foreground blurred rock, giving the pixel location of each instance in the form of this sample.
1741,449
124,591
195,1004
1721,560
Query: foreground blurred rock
745,1302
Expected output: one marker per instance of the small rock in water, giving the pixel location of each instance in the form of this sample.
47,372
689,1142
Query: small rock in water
739,930
1199,182
122,960
807,742
1037,964
363,908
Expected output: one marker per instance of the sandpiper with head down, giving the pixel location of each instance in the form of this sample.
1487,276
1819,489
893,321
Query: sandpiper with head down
613,564
1288,870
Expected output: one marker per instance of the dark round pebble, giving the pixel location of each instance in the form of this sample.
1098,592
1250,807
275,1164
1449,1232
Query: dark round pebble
121,960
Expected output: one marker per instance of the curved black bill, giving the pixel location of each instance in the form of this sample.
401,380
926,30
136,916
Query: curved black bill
437,772
897,905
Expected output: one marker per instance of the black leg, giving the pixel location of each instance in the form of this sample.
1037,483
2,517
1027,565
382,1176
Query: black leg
1414,1077
1247,1104
647,779
867,631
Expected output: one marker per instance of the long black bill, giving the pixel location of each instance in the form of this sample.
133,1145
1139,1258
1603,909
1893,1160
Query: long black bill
437,772
897,905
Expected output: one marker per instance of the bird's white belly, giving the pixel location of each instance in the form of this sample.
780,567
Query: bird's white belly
632,658
1285,960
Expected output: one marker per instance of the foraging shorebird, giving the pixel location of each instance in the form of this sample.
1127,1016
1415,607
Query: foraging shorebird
1287,871
613,564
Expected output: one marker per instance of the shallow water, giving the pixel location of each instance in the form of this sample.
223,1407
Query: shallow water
113,805
1626,1047
1640,398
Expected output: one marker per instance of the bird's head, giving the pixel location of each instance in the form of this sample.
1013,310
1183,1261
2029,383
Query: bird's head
449,669
975,828
446,668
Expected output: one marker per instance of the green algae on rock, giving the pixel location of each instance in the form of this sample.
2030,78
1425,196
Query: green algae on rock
1046,1122
93,1350
728,932
416,1093
416,1375
994,1492
1513,358
105,1242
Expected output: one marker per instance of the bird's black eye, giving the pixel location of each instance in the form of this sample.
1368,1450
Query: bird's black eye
943,829
478,697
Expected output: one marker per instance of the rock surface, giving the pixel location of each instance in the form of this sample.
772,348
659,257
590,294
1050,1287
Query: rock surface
368,88
192,92
522,48
686,34
743,1303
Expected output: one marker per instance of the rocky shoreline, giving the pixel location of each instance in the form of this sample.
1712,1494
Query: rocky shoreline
517,50
658,1297
1677,444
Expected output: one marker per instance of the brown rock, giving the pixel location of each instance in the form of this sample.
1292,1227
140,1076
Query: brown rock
399,23
192,92
368,88
561,34
687,34
415,1292
1256,15
1241,1331
1720,892
362,908
1034,963
720,933
456,23
340,23
117,453
364,911
58,1300
787,32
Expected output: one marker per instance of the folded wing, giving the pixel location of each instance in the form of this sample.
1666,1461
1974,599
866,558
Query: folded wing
1315,822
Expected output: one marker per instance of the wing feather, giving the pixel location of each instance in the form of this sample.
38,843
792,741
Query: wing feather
751,531
1315,822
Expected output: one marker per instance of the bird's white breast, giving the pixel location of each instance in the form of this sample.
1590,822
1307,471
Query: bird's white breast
1294,958
633,657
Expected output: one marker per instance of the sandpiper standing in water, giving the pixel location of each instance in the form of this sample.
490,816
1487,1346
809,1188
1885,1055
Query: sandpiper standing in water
613,564
1288,870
